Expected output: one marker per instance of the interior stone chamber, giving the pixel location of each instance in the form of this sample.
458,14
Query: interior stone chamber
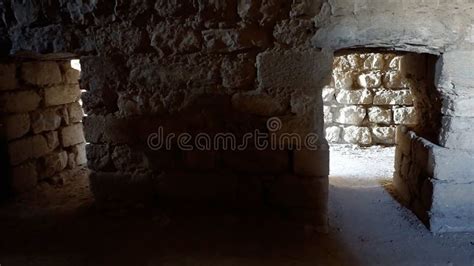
197,66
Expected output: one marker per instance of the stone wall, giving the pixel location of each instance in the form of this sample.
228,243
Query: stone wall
435,182
41,121
218,66
370,95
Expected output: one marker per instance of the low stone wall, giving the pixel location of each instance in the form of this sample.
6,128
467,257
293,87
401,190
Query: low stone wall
435,183
370,94
41,120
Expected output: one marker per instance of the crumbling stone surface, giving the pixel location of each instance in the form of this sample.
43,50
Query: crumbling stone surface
41,124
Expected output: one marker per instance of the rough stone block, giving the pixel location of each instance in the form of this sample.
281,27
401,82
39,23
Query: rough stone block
70,74
53,163
404,115
62,94
328,94
41,73
7,77
24,177
380,115
311,163
403,191
27,148
452,209
363,96
333,134
238,72
392,97
295,69
75,112
231,40
94,128
16,126
395,80
72,135
328,115
351,115
374,62
98,156
52,139
343,80
19,102
45,120
450,165
383,135
80,154
370,80
357,135
458,105
454,68
456,133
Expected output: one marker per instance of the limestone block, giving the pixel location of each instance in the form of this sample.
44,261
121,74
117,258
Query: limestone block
380,115
458,105
383,135
454,68
357,135
231,40
19,102
333,134
295,69
293,191
45,120
126,158
238,72
393,97
452,209
259,104
450,165
7,77
75,112
363,96
71,76
404,115
63,94
16,126
80,154
41,73
24,177
374,62
52,139
351,115
71,160
98,156
311,163
396,80
328,115
457,133
370,80
343,80
53,163
27,148
347,62
403,191
328,94
72,135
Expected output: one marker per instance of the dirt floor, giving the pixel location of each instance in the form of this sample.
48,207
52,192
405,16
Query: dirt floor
368,227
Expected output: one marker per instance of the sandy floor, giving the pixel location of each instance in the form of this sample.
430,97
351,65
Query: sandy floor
368,227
